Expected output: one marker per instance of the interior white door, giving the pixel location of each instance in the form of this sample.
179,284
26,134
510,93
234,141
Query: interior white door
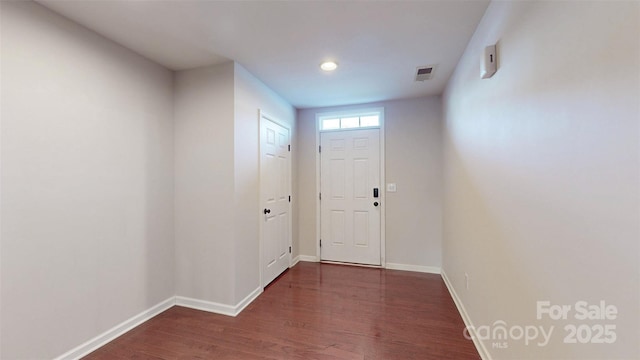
349,210
275,198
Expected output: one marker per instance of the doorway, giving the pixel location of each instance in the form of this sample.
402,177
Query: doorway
351,179
275,198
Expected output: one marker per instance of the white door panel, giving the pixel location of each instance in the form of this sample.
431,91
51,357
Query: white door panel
274,192
349,218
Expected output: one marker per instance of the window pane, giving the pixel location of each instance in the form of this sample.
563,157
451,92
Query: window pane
330,124
350,122
371,120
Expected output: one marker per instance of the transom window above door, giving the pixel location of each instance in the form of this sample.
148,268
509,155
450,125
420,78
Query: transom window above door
350,121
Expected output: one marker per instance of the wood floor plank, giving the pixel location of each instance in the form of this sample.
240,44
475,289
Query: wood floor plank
313,311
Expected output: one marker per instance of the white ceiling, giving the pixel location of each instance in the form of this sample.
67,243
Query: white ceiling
378,45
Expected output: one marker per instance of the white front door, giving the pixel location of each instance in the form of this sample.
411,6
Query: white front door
274,198
349,208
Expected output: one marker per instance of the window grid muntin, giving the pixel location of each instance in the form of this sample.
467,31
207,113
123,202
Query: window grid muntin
369,122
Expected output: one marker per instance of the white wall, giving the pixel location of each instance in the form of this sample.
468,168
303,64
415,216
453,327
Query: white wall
87,185
542,171
413,162
250,94
88,165
217,180
204,183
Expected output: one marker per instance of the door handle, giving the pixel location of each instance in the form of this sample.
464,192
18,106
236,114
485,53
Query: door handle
267,211
375,203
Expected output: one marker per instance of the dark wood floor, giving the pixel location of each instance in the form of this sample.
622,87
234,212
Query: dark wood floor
313,311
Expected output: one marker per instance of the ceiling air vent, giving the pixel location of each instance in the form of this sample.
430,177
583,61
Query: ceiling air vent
425,72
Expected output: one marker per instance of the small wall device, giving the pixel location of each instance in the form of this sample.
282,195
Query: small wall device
488,63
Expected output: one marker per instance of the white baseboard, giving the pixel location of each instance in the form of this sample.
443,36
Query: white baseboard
482,350
248,299
390,266
294,261
218,308
204,305
417,268
308,258
111,334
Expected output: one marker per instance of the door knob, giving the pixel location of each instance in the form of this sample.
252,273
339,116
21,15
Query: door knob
267,211
375,203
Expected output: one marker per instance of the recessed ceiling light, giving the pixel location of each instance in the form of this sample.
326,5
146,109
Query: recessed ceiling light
328,65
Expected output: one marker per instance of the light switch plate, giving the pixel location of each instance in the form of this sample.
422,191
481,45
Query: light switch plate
391,187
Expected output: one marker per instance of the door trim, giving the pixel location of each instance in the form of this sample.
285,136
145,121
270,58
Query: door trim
383,186
262,116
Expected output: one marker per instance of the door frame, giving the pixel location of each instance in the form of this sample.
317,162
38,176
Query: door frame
262,116
383,197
